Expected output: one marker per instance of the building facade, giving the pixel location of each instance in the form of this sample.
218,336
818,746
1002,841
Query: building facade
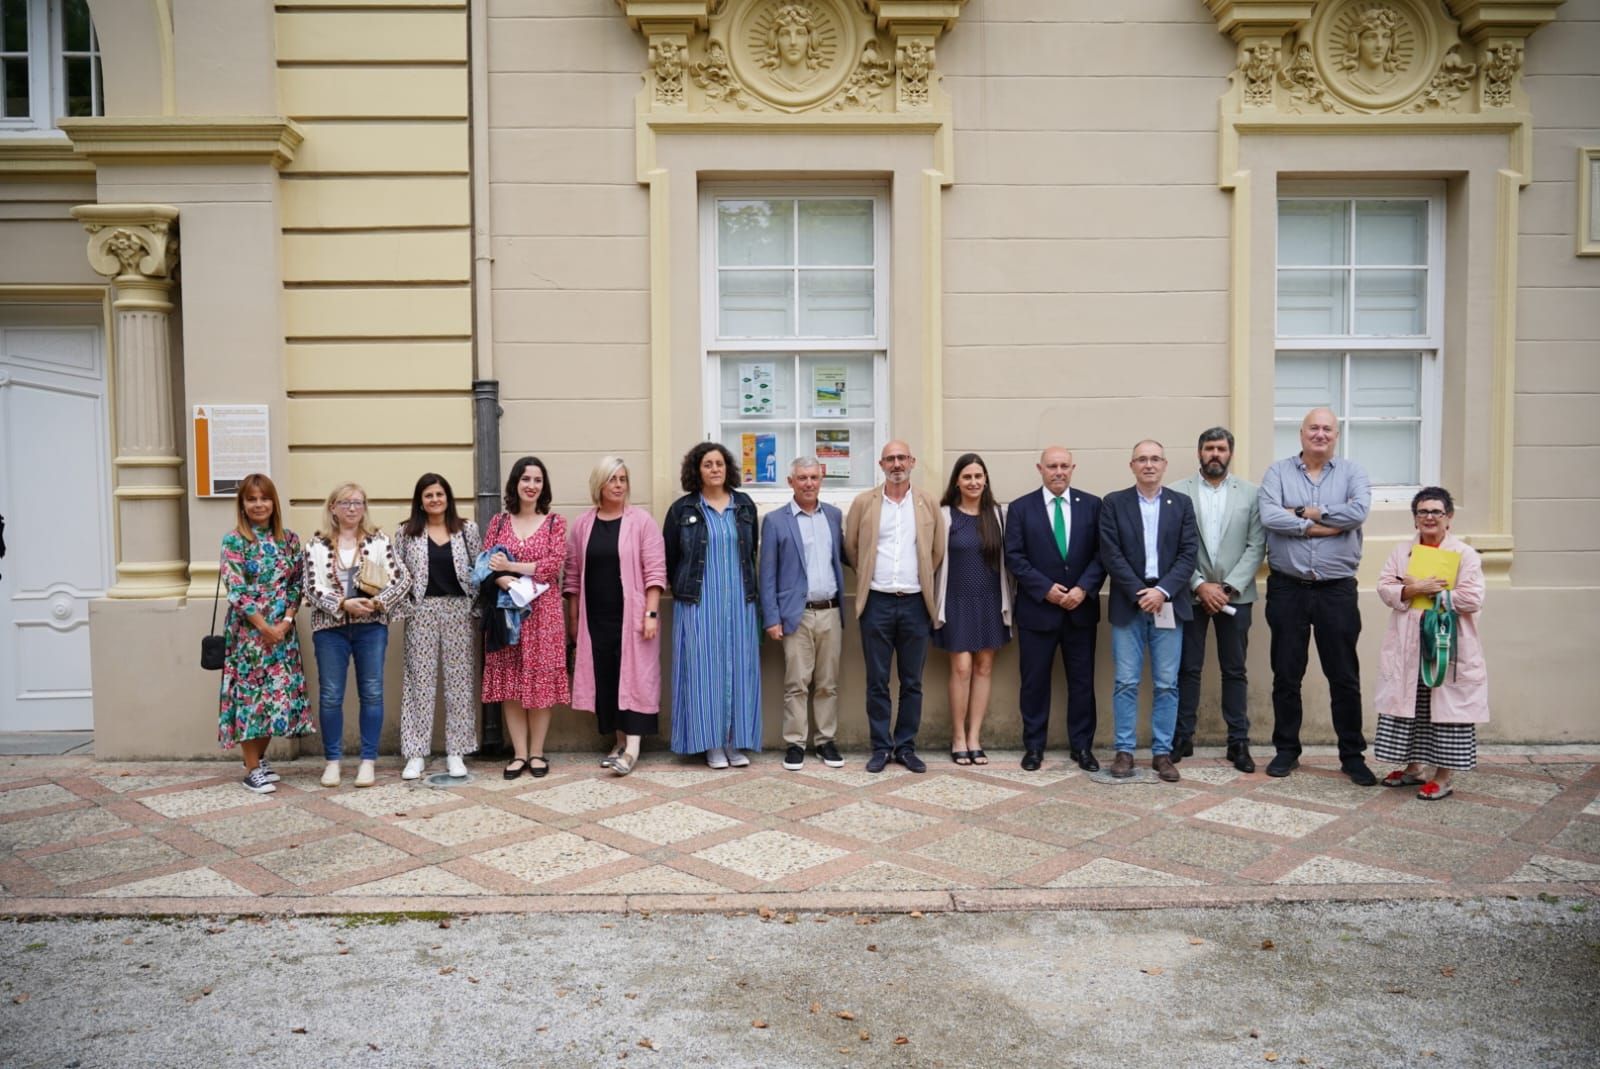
367,240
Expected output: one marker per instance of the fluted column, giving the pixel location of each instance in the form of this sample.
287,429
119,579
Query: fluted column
136,246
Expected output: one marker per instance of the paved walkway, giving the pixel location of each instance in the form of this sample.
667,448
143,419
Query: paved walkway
84,837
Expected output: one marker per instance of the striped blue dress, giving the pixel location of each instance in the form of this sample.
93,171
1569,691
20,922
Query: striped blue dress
716,676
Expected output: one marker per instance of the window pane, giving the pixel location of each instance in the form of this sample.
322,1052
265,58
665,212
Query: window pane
1311,303
14,25
755,233
836,304
762,453
99,89
849,454
1386,385
1390,452
1313,232
1391,302
1392,232
1303,381
80,90
755,387
836,386
755,304
16,87
1285,440
75,27
836,232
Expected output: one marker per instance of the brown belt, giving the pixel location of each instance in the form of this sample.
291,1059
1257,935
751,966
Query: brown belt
831,603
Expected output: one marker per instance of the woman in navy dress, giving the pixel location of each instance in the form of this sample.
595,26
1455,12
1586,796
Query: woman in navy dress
973,618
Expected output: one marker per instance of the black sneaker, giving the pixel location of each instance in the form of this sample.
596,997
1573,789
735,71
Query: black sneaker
258,782
272,777
830,754
794,758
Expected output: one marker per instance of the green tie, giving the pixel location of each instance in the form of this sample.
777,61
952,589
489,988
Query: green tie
1061,530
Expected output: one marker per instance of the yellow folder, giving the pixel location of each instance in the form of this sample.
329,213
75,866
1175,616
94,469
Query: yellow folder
1428,562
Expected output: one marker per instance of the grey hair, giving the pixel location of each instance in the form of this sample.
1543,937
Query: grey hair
803,462
1215,434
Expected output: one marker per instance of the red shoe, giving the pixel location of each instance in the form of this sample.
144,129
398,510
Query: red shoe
1432,792
1399,778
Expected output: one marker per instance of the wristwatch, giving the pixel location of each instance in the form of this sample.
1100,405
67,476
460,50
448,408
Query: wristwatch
1300,511
651,615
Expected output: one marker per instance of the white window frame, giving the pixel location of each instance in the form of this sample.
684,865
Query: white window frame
1430,343
713,346
47,76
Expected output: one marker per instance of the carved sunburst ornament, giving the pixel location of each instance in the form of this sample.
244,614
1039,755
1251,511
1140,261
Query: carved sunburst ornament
1374,53
792,52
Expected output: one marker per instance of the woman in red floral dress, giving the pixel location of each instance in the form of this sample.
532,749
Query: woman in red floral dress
531,676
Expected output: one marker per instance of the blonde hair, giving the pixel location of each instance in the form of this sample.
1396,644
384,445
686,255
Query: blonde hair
330,522
602,473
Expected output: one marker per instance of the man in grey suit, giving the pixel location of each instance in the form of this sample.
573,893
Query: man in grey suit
1232,546
802,582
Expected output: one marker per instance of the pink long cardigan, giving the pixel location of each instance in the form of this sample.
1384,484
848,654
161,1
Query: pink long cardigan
1464,698
643,560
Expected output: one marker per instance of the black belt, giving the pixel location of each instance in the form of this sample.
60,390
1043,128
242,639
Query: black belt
1151,582
1310,583
831,603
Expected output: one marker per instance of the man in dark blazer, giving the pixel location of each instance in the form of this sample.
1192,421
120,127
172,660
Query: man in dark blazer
802,587
1148,544
1053,550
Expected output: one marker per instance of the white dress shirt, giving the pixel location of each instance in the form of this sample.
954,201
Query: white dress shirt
1211,509
817,539
1066,511
895,570
1150,516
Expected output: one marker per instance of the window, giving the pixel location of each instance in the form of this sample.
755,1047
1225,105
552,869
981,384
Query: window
796,350
49,63
1359,309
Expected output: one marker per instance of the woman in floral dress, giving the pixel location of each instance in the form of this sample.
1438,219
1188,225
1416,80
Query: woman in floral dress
531,676
263,683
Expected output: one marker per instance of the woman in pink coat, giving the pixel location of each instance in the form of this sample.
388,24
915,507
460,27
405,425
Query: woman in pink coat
616,569
1417,724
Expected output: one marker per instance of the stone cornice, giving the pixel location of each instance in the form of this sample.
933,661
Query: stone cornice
1482,19
1258,18
667,16
43,156
924,16
266,139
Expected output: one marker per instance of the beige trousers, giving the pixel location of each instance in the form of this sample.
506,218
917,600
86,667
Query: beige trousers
811,668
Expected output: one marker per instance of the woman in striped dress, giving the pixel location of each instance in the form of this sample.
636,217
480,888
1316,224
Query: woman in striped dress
710,534
1417,724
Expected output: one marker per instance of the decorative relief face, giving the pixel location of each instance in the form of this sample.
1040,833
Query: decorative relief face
1374,53
793,53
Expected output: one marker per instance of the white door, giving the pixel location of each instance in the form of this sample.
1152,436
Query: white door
56,499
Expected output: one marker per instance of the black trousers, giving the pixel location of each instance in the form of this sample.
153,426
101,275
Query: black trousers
1297,611
1038,654
1233,640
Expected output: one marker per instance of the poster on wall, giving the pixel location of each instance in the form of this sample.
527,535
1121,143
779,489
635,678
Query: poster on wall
755,389
827,392
833,450
230,442
759,462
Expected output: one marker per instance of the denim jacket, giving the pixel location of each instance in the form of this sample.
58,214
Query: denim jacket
685,535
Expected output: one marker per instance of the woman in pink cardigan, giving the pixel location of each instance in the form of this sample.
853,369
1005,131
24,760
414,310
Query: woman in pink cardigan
616,569
1417,724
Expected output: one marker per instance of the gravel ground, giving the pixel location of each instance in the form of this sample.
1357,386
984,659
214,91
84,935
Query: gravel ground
1475,983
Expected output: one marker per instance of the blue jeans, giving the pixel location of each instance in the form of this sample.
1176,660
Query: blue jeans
1128,645
335,647
894,628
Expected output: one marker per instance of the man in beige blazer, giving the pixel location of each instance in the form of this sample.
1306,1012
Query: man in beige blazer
894,539
1232,545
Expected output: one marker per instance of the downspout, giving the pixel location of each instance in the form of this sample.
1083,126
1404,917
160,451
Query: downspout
485,387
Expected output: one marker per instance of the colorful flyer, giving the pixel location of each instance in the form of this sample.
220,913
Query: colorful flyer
766,459
833,450
755,389
827,392
747,458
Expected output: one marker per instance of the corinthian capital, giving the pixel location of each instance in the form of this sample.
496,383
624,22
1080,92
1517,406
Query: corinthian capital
139,240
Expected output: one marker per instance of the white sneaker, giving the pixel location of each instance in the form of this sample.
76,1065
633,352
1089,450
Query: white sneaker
258,782
367,774
455,766
272,777
330,774
716,758
414,768
736,757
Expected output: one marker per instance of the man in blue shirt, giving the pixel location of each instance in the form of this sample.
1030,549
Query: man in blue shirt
1313,506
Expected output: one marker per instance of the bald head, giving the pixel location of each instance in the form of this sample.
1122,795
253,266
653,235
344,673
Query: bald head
1055,469
1319,435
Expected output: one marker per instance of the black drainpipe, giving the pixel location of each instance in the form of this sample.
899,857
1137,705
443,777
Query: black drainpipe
486,414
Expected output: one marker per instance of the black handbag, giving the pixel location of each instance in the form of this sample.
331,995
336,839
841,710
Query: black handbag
213,647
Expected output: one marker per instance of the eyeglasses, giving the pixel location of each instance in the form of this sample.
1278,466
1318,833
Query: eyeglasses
1149,460
1429,514
351,505
897,458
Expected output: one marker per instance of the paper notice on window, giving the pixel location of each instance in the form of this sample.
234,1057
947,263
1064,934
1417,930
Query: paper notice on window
755,389
230,442
828,386
833,451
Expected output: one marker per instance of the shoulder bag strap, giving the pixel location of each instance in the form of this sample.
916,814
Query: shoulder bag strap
216,597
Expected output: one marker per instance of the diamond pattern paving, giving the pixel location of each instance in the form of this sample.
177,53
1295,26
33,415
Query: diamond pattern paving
81,836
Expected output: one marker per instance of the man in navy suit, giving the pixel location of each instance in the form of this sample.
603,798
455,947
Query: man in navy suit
802,582
1148,544
1053,549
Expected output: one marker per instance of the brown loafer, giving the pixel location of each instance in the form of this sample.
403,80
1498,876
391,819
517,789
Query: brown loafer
1122,765
1161,764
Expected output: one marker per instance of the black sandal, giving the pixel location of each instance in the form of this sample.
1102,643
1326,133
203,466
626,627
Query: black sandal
536,771
961,757
979,757
521,766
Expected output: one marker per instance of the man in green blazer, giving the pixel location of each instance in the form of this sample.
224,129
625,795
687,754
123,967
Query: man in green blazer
1232,545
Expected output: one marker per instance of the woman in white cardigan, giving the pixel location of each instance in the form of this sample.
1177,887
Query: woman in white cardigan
349,623
972,618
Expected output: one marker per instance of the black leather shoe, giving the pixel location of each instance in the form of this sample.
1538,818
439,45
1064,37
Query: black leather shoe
1239,756
908,757
1181,748
1086,760
878,761
1031,760
1281,765
1358,772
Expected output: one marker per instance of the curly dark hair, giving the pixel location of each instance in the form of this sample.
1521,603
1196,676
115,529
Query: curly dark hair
1434,493
690,475
513,502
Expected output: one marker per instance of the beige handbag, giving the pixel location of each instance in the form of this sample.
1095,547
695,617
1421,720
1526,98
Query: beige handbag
373,578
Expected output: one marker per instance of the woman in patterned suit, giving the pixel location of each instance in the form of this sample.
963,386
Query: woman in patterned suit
437,548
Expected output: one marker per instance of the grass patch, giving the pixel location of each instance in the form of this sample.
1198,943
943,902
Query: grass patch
366,920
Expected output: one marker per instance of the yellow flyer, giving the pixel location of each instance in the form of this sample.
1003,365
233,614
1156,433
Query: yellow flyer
1427,562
